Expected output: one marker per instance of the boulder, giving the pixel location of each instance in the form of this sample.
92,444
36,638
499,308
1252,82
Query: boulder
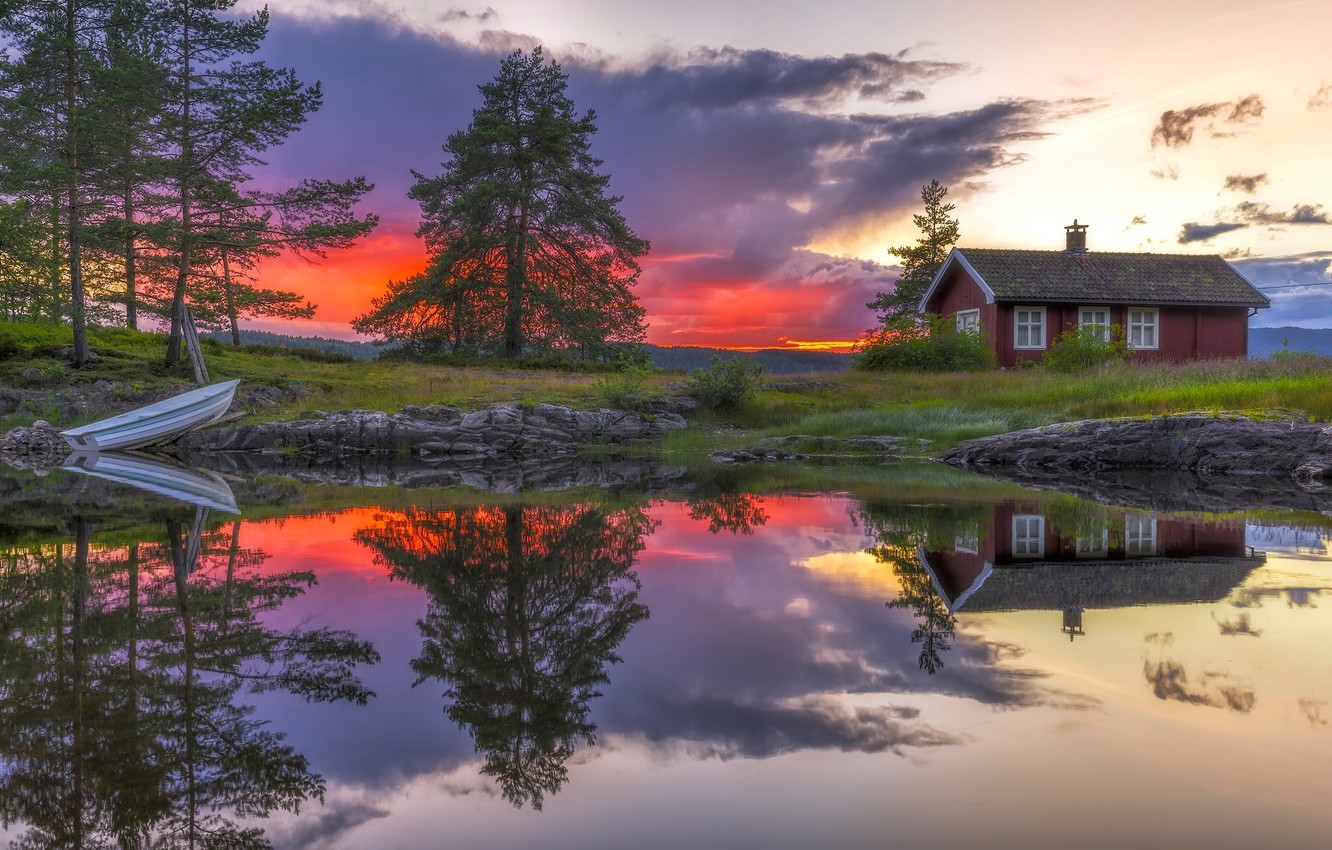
1207,444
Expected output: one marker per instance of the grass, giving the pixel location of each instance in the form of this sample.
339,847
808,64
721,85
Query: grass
944,408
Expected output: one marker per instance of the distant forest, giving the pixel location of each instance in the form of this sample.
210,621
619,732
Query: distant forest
775,361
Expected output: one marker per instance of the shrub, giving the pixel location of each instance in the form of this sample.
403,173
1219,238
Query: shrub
626,389
725,384
936,346
1086,347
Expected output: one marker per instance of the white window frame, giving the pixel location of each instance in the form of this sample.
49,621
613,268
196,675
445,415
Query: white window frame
1139,535
1028,536
968,321
1140,321
1093,544
1095,317
1035,327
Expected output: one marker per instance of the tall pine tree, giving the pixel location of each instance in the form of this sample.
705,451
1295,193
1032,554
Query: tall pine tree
920,262
530,253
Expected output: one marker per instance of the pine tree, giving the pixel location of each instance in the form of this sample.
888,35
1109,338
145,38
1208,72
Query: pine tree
920,262
530,253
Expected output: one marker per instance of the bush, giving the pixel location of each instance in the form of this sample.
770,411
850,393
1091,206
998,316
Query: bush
626,389
725,384
1086,347
936,346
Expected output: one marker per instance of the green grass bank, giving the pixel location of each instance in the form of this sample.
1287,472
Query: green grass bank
942,408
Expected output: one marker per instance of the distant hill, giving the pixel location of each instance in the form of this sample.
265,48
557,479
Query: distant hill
1264,341
775,361
359,350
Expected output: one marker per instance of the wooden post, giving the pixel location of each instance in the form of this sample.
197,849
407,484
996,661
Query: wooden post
192,345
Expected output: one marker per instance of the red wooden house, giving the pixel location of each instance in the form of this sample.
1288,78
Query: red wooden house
1171,306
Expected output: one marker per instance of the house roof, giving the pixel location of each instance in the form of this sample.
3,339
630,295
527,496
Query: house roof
1102,278
1054,585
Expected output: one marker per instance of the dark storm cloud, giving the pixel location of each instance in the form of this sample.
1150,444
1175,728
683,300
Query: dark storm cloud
725,78
1194,232
1247,183
732,728
1177,126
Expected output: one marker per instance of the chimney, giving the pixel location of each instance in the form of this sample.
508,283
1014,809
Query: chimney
1075,236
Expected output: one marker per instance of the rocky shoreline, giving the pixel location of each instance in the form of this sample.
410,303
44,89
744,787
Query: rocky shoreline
1202,443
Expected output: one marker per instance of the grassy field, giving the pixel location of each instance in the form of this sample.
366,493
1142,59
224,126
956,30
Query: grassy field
941,408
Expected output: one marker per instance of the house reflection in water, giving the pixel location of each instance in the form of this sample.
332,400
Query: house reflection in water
1044,557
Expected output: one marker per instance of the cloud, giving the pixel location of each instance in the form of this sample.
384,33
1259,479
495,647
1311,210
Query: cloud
1244,183
739,159
1170,682
485,15
324,827
727,729
1301,214
1176,126
1195,232
1321,99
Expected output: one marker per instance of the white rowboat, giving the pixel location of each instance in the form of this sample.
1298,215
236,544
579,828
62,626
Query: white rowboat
160,422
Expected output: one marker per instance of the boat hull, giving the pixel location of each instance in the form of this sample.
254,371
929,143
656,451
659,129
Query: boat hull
153,424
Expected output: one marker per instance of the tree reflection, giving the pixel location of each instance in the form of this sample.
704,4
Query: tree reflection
738,513
527,606
119,685
902,532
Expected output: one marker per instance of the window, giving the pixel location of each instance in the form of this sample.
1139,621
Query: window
1028,536
1142,325
1095,317
1139,535
1029,327
968,321
1093,544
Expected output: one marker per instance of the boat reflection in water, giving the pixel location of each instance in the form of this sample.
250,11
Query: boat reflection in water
197,487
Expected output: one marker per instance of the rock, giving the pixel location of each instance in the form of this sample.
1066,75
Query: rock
39,447
437,432
754,456
1207,444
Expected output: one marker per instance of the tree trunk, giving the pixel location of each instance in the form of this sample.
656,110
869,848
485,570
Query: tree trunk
232,317
77,314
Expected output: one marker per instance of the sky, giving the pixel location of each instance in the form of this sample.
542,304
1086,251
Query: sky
773,152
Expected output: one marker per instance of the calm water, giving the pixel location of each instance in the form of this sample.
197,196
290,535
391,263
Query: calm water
913,658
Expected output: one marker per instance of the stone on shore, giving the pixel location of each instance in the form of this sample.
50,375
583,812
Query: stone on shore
1208,444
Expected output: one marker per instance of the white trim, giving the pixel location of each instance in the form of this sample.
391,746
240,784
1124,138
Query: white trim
1104,326
1155,325
968,326
955,256
1020,308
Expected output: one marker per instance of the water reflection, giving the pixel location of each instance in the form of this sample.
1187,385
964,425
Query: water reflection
527,605
120,686
1056,555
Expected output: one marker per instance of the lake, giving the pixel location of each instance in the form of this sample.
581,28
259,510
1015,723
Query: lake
902,656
